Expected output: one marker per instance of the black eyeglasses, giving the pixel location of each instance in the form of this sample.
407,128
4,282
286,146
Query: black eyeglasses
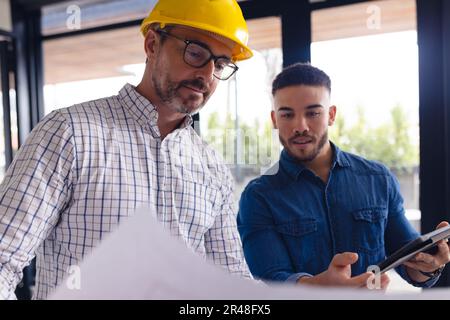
197,55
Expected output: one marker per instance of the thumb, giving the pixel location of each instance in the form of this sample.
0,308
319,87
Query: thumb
344,259
361,280
442,224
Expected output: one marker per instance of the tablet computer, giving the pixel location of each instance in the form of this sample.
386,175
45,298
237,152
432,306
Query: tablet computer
424,243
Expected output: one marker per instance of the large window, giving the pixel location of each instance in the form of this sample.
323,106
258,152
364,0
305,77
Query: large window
371,55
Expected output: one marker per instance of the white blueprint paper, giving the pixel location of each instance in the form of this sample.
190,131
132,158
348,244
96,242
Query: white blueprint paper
141,261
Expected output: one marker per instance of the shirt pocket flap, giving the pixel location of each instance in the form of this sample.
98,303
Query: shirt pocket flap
370,215
297,227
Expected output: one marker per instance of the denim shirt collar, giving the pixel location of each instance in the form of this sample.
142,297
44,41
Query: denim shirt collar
295,168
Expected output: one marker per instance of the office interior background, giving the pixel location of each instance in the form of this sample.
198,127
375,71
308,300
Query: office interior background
389,61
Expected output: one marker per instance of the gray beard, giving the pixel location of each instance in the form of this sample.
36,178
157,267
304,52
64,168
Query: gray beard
170,95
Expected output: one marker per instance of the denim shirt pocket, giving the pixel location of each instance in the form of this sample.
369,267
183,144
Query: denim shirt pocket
301,239
368,230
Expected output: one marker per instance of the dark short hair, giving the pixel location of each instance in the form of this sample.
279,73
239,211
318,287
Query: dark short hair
301,74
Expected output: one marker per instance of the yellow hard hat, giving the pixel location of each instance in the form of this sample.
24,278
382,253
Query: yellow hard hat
222,17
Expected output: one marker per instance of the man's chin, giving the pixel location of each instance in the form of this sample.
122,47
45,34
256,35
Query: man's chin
188,110
186,106
302,156
193,108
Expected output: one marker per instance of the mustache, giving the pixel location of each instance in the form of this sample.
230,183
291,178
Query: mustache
303,134
196,84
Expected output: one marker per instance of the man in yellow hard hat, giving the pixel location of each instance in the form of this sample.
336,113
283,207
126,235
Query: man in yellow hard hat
85,168
190,47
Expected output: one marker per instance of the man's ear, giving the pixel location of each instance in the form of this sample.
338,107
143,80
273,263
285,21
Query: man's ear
151,44
331,115
274,119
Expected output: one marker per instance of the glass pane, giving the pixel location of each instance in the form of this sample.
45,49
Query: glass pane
236,120
371,55
77,15
87,67
13,114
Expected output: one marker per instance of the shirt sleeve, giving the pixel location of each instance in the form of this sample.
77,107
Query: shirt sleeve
264,249
36,188
399,231
222,241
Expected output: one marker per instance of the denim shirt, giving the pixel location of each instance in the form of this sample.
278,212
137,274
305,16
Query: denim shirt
292,223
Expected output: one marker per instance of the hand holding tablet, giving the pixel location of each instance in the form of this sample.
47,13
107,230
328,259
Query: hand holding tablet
425,243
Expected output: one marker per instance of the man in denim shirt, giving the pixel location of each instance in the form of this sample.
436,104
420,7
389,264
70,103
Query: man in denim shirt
326,215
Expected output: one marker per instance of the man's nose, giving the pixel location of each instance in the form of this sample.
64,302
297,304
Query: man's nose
301,127
206,72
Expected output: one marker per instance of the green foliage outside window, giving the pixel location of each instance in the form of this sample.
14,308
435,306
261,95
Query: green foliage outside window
390,143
